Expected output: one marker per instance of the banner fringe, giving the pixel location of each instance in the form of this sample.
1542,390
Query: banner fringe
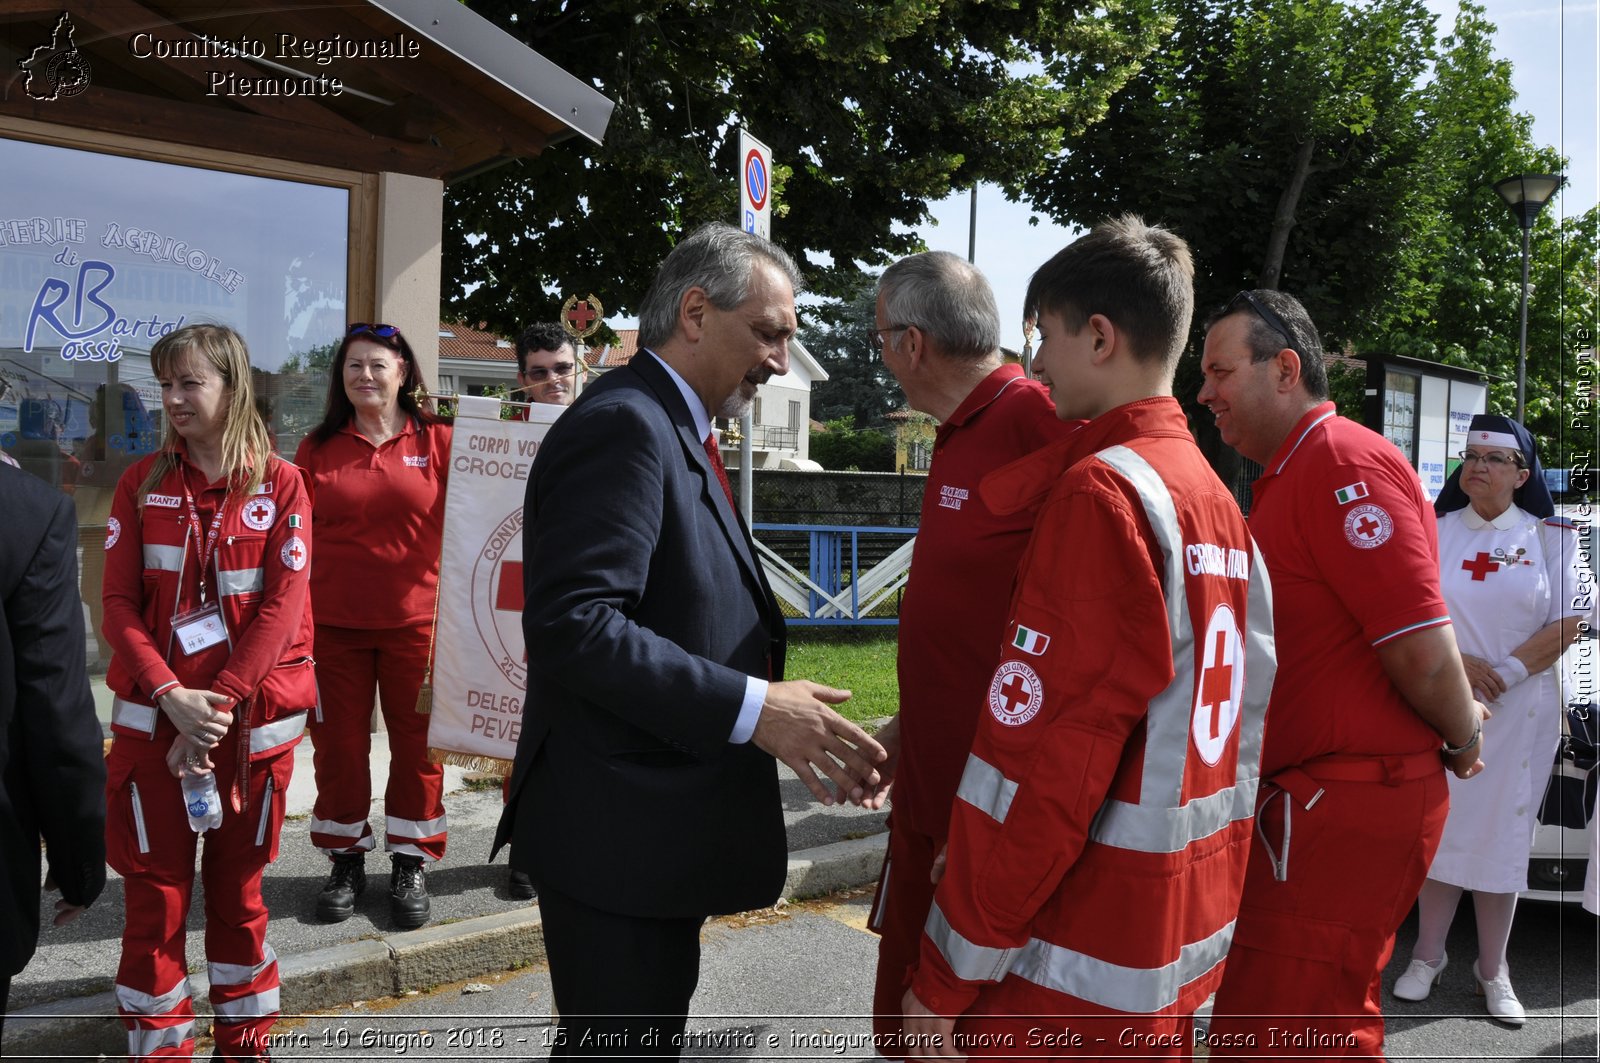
470,761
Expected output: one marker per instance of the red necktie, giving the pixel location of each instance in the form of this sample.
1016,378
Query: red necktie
715,456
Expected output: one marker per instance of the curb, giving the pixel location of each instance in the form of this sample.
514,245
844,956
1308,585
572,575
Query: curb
397,963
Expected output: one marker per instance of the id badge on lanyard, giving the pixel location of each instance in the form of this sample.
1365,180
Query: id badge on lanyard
196,629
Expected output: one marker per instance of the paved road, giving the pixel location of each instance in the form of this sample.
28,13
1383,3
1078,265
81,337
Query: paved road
796,984
81,959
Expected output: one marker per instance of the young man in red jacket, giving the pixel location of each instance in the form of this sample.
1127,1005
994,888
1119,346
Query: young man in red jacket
1100,831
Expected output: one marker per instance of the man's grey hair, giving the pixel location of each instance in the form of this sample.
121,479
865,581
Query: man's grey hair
946,297
719,260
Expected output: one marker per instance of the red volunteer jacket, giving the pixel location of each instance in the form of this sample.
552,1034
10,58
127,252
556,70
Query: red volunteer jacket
258,572
1105,811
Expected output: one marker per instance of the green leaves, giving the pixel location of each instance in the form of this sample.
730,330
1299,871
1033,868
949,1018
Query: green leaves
871,107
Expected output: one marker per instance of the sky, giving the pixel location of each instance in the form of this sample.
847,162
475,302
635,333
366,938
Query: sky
1552,47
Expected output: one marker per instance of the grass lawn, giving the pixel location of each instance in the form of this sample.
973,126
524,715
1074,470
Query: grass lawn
859,659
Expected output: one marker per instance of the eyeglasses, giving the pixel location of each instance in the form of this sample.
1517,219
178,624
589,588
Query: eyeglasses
382,331
539,374
878,333
1494,460
1265,314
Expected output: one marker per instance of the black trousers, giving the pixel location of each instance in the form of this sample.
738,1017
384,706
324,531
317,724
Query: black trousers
622,982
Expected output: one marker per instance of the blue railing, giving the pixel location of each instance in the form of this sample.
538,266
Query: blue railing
834,588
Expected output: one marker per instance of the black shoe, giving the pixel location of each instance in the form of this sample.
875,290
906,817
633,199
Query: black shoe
337,901
408,892
520,886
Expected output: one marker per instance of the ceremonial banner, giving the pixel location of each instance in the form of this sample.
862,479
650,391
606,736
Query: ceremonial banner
480,671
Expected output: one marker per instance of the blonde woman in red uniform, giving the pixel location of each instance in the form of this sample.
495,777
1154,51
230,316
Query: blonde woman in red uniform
376,466
206,612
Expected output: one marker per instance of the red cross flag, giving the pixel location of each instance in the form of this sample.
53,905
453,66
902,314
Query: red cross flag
480,666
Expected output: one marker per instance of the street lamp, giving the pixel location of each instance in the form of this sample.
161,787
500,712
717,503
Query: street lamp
1526,195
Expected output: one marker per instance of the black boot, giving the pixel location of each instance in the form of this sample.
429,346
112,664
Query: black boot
408,892
337,901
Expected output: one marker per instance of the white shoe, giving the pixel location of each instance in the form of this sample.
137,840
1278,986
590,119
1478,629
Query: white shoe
1498,996
1418,980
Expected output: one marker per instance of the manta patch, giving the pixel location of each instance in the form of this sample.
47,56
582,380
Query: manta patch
1015,694
164,501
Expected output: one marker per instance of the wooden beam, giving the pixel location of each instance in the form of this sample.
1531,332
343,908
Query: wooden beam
441,91
114,111
123,18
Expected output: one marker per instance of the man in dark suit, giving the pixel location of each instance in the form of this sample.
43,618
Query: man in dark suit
645,792
52,773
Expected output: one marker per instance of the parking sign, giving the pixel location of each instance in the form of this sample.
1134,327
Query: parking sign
755,186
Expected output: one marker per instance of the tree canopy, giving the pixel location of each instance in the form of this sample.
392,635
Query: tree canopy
871,108
1340,151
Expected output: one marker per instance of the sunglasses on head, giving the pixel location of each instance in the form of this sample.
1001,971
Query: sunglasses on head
383,331
1265,313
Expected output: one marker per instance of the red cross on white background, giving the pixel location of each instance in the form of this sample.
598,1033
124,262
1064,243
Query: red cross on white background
1216,683
1017,692
1480,567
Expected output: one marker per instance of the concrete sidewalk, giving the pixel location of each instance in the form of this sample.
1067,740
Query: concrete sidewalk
62,1005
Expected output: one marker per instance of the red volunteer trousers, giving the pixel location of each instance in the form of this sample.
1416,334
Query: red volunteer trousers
149,842
1304,975
353,664
899,913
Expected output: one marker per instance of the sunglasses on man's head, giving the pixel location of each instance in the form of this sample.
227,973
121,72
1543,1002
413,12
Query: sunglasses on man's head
1265,313
383,331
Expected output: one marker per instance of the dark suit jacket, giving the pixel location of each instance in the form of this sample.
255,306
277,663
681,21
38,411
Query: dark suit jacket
52,773
646,609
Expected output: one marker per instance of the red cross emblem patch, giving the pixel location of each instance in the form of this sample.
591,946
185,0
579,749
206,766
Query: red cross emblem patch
113,531
259,513
293,554
1015,693
1368,526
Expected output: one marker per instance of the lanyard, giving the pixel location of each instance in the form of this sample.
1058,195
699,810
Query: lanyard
204,547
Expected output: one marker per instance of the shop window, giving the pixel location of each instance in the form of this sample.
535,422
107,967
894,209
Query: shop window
100,256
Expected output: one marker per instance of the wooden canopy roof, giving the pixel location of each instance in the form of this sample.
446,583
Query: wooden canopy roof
428,88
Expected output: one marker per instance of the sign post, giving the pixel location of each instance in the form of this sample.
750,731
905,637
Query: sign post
755,216
755,186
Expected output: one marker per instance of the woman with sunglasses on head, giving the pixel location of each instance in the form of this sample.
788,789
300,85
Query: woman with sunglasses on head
206,613
376,466
1509,571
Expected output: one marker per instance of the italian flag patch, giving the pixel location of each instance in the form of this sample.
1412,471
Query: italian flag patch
1030,641
1351,493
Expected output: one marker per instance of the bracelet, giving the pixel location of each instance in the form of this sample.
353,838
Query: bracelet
1477,732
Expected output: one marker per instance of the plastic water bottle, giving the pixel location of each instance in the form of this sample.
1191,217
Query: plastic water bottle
202,801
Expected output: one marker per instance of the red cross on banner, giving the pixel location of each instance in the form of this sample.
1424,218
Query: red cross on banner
1480,567
508,591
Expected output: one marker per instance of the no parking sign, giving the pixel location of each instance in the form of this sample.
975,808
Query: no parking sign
755,186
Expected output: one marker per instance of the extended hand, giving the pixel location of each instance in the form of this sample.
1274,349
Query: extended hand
888,737
199,714
933,1035
798,727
